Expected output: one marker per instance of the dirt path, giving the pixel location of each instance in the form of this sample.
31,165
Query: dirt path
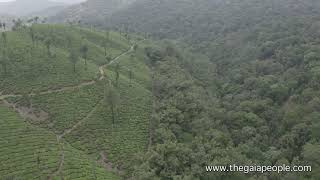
102,76
102,161
102,67
25,113
60,167
68,131
69,88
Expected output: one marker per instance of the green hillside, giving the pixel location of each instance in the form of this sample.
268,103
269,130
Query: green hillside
210,83
81,97
30,152
90,11
256,63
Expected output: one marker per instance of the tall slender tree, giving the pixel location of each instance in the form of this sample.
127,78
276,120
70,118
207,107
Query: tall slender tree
32,35
117,69
69,42
130,76
48,42
4,39
84,54
73,58
112,100
105,45
4,61
36,19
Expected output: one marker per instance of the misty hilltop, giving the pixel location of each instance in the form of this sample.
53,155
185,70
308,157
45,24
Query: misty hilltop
91,11
26,7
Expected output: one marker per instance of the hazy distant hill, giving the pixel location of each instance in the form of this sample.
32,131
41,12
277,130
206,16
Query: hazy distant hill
48,12
203,20
25,7
91,11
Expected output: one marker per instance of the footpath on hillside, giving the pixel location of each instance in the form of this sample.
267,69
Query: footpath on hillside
60,137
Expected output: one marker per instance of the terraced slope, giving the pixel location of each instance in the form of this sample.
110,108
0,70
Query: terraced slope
29,152
71,107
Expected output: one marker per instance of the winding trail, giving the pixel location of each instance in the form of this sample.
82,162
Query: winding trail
102,161
102,73
68,131
102,76
68,88
61,163
102,67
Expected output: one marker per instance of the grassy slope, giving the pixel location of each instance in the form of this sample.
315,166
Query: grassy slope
24,145
96,134
128,135
32,69
21,144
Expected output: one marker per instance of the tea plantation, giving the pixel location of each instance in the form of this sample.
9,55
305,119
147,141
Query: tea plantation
74,103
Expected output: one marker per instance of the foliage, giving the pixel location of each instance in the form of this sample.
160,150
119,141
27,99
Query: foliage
63,103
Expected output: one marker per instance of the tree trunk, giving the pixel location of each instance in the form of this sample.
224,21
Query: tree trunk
112,112
117,78
5,68
49,52
154,105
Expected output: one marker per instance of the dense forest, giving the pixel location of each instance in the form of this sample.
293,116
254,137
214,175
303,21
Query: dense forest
168,87
91,12
249,93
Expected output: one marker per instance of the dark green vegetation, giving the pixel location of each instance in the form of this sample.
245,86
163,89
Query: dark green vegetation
58,79
90,12
29,152
238,84
250,97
